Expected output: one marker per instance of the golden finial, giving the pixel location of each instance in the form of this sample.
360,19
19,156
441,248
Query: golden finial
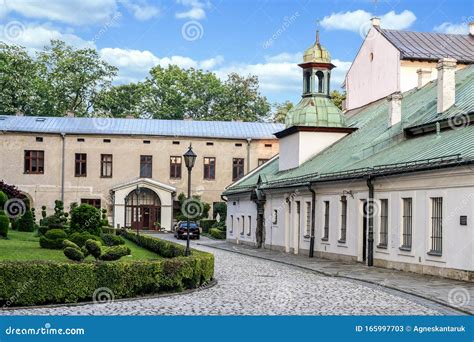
317,37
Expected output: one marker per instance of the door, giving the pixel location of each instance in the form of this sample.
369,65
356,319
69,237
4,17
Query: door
364,231
146,217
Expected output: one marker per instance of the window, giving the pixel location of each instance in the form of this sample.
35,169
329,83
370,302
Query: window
307,82
407,223
326,221
262,161
307,230
243,225
209,144
275,216
106,165
146,166
237,168
320,76
343,219
34,162
175,167
95,202
250,226
107,141
209,168
436,226
146,141
81,165
383,233
231,223
39,139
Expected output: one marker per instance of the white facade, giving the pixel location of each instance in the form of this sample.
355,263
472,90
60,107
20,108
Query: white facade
454,186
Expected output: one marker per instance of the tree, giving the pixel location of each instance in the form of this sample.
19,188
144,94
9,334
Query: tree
337,98
281,109
121,101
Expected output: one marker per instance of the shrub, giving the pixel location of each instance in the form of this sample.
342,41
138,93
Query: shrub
84,251
26,222
217,233
3,199
4,224
109,230
112,240
207,224
93,247
221,209
73,254
69,243
42,230
115,253
50,243
56,234
85,218
14,223
81,238
163,248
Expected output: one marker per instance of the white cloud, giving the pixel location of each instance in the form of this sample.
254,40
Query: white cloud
77,12
36,36
451,28
196,11
355,20
141,10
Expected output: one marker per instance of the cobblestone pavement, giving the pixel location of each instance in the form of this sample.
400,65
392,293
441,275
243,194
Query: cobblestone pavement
250,286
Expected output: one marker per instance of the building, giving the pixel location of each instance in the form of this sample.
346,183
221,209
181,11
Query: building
390,184
113,163
396,61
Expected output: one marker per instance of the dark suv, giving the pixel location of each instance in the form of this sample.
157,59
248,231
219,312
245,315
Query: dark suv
181,230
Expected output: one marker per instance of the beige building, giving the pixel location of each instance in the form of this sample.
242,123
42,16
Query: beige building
118,163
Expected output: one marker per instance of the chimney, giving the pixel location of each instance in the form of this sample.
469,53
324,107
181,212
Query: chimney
375,21
70,114
394,108
471,28
446,83
424,76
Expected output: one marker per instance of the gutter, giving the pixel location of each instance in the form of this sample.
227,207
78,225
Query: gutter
63,136
313,214
370,227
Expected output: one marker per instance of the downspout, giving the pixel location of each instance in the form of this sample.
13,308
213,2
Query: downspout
249,140
313,219
63,136
370,228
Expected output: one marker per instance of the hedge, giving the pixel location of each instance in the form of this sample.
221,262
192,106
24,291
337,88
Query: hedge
163,248
217,233
206,225
108,230
47,282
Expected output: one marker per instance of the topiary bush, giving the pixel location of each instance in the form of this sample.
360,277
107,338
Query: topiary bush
206,225
4,224
53,239
26,222
93,247
85,218
163,248
115,253
42,230
74,254
69,243
54,234
3,199
112,240
81,238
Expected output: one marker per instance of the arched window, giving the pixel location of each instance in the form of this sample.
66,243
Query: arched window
320,76
307,82
142,209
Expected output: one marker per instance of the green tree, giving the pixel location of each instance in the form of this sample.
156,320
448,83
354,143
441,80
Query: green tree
280,111
121,101
338,98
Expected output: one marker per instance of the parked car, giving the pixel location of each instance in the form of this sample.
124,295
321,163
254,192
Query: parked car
181,230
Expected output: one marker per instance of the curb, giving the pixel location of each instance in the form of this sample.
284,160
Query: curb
206,286
347,277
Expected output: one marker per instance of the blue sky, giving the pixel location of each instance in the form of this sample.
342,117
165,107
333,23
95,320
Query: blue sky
265,38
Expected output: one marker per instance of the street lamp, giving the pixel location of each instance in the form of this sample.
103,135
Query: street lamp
137,191
189,160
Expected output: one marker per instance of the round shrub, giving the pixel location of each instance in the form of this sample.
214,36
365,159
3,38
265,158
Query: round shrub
84,251
51,243
73,254
4,223
26,222
69,243
42,230
81,238
54,234
86,218
115,253
93,247
112,240
3,199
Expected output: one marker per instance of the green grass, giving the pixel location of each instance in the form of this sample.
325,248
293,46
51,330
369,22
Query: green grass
25,246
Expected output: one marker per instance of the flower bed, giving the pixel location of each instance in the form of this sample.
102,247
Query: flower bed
45,282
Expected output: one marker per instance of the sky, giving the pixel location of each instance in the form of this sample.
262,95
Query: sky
263,38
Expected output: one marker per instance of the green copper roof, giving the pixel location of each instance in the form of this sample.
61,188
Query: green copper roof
316,53
317,111
376,146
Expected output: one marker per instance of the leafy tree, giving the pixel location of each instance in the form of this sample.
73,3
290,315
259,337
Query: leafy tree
121,101
280,111
85,218
337,98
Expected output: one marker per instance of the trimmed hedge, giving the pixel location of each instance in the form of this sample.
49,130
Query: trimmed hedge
73,254
217,233
164,248
115,253
112,240
108,230
81,238
46,282
206,225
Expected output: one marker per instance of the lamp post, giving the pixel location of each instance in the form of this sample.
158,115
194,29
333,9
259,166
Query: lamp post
137,191
189,160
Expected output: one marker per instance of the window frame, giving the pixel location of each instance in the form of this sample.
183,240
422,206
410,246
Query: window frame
343,227
326,221
175,167
250,225
104,164
238,168
407,224
383,224
208,168
146,160
436,221
28,159
95,202
80,165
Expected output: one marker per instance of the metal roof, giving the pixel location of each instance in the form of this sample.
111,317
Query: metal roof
431,46
115,126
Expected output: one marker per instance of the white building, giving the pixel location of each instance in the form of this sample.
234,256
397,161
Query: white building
390,184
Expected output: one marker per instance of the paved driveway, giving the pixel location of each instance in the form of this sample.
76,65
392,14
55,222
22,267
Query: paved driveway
251,286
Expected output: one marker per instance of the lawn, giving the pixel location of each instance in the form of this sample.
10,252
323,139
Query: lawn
25,246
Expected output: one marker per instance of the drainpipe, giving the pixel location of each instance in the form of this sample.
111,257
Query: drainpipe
370,228
63,136
249,140
313,213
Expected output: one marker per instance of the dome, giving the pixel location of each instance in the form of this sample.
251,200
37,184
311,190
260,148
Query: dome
317,53
315,112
